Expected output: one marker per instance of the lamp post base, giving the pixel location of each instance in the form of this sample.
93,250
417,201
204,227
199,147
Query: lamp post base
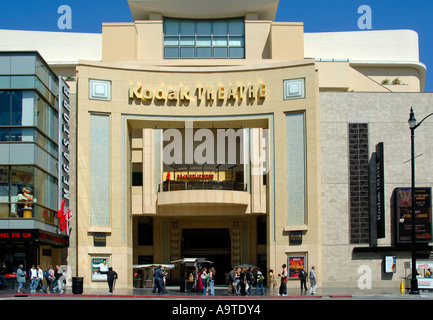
414,287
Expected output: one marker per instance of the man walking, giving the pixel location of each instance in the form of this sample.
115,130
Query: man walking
111,277
313,280
303,277
158,280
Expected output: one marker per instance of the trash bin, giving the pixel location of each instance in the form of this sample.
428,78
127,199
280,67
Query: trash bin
138,282
77,285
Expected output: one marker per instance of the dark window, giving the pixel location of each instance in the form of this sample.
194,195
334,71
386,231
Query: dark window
145,234
358,184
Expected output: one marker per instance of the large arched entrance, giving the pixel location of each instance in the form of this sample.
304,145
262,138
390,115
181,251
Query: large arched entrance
211,243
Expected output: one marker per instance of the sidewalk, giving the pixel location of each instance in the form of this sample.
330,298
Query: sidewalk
220,293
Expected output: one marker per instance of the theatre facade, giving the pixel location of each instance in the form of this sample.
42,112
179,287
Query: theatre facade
215,155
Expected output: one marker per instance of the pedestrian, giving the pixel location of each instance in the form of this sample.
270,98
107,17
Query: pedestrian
49,277
40,278
303,278
243,281
238,280
158,280
232,285
3,276
200,281
204,279
284,279
111,278
58,279
272,280
212,282
259,283
250,280
33,275
21,277
313,280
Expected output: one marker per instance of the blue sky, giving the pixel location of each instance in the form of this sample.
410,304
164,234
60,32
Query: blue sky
317,15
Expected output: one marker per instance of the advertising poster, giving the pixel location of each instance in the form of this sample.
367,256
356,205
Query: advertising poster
423,225
296,264
98,265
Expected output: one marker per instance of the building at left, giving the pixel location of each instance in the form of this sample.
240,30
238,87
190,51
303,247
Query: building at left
34,168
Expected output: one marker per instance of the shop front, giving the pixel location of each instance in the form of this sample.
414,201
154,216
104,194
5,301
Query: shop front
29,247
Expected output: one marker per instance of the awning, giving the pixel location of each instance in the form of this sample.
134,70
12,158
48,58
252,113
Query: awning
152,266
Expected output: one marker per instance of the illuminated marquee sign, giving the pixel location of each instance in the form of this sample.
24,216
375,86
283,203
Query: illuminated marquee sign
32,235
229,94
64,213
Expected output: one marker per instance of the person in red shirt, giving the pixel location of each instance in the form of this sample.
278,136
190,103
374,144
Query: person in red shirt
284,279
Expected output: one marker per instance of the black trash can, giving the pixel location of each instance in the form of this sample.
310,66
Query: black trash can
77,285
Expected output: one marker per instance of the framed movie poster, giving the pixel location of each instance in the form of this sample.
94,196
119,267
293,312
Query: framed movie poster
423,214
98,265
295,265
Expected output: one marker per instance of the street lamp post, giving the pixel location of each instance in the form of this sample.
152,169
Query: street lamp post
413,125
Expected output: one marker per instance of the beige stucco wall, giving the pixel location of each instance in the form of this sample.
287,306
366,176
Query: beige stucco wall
387,115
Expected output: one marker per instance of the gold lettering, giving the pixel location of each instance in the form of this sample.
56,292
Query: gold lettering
172,95
241,92
232,93
134,92
184,94
251,91
199,93
221,93
160,94
210,94
147,94
262,91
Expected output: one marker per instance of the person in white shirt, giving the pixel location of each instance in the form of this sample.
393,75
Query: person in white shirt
33,275
313,282
39,278
284,279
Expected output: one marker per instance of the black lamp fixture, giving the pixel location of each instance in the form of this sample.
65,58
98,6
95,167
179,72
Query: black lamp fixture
412,126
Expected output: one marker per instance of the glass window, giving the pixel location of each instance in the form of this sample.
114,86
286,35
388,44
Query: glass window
4,184
236,27
5,103
171,27
187,27
17,108
171,41
203,52
171,52
204,28
220,42
187,52
190,39
187,41
204,41
220,27
220,53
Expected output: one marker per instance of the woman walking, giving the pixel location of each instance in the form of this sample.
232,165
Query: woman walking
21,277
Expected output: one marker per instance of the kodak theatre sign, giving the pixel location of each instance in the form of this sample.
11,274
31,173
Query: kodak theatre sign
208,95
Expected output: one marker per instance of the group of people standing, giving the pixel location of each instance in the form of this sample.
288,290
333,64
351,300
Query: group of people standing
284,277
206,281
240,281
54,279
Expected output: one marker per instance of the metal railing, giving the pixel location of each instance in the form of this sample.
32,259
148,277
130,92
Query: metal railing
202,185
